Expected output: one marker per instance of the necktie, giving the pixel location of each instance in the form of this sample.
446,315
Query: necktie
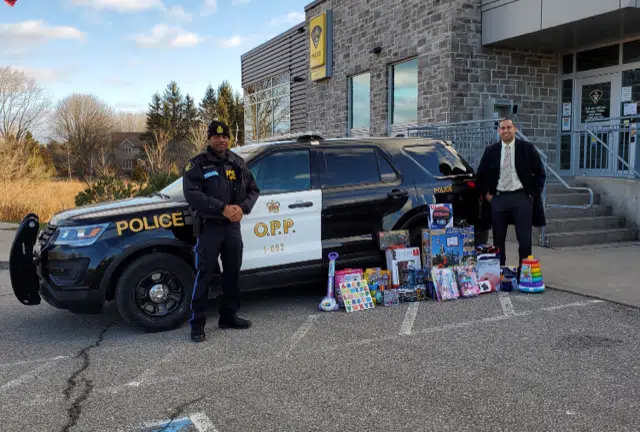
506,169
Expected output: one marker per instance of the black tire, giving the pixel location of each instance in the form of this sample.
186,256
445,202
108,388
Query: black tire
134,281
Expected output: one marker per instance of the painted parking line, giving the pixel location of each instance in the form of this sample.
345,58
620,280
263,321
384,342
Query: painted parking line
505,302
32,374
300,334
197,422
24,362
409,318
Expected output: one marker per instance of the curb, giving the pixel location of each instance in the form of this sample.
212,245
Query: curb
591,296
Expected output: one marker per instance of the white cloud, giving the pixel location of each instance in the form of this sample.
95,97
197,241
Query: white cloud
178,13
43,75
121,5
162,35
291,18
18,35
209,7
231,42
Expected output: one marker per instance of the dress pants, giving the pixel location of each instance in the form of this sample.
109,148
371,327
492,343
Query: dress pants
515,207
224,240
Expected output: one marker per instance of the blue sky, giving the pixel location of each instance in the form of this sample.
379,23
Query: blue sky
125,50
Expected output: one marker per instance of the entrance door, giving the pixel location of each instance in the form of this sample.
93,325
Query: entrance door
599,102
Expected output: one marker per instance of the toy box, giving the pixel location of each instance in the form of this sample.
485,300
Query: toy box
400,262
393,239
441,216
445,284
488,269
345,275
356,295
452,247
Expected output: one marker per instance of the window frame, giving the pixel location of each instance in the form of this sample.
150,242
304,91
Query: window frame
377,152
351,131
256,160
390,93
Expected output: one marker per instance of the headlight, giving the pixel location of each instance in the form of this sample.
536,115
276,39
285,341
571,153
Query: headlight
79,235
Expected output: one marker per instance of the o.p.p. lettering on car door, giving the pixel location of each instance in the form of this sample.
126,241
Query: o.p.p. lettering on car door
274,228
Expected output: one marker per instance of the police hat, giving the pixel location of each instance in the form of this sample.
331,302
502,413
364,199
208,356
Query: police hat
218,128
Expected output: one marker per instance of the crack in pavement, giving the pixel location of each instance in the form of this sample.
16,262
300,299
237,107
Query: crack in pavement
75,410
179,410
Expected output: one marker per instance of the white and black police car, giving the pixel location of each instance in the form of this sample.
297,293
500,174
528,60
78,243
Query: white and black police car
316,196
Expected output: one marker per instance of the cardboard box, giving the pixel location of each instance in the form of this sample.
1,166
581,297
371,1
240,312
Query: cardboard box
440,216
395,257
452,247
393,239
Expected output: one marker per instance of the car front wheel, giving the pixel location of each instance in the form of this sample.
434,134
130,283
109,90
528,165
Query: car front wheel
154,292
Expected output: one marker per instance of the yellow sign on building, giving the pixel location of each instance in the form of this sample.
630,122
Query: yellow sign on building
321,45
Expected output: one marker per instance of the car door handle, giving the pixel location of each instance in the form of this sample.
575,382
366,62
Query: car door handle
301,204
397,194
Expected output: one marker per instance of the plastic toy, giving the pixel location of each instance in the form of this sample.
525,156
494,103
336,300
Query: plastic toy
356,295
531,276
329,303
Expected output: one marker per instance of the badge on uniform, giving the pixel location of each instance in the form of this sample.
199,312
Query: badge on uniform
231,174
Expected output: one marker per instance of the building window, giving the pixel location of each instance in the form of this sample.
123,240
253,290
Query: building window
565,124
126,150
404,92
127,164
359,101
598,58
631,52
267,108
567,64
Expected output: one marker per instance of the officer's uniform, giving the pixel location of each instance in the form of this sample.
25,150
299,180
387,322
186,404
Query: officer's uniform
210,182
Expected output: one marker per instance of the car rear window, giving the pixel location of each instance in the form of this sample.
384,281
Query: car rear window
439,160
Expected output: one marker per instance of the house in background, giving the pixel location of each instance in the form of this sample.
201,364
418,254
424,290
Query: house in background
128,149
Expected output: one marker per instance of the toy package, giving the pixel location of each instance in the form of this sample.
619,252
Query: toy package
345,275
467,281
391,297
356,295
393,239
445,284
452,247
441,216
488,269
400,261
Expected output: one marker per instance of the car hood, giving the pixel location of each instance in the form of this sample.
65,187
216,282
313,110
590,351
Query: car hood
108,211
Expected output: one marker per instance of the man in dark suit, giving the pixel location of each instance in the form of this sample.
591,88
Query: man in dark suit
511,178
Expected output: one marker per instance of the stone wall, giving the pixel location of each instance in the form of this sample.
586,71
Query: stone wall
456,74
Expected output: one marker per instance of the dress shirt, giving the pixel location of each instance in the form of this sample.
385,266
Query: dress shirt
515,181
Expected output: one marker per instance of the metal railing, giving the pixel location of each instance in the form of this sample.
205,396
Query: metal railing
470,140
600,146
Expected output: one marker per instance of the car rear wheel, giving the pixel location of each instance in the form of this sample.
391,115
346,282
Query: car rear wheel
154,292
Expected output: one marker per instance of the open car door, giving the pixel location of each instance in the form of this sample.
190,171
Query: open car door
22,271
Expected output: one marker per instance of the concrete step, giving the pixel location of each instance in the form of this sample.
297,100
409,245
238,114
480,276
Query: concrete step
575,198
583,238
566,213
582,224
559,188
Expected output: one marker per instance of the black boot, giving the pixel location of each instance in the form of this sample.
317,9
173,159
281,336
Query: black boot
233,322
197,335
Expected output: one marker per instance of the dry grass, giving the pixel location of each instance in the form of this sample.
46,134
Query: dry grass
45,198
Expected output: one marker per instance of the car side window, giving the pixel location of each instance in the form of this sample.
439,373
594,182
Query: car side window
438,159
387,173
283,171
350,166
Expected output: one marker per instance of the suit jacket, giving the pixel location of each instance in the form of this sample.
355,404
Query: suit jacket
530,170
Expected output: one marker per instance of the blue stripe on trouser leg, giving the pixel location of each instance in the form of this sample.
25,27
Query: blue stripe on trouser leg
195,281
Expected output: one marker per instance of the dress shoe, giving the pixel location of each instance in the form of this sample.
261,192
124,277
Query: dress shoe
198,336
234,322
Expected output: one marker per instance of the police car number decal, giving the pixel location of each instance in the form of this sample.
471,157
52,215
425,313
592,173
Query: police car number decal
165,220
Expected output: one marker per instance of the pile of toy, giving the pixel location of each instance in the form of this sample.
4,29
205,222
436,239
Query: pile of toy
447,266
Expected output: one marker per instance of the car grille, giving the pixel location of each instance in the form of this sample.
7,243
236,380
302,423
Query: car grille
46,234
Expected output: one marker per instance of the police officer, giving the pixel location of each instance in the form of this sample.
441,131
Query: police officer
221,190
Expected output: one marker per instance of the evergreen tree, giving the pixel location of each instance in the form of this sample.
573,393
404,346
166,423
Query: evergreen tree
190,115
225,102
173,111
239,118
154,114
209,105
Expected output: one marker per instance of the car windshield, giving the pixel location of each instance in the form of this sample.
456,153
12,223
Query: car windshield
174,190
439,160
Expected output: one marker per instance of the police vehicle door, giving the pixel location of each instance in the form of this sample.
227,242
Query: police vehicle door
284,225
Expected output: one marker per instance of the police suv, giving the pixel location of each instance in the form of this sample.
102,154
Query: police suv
316,196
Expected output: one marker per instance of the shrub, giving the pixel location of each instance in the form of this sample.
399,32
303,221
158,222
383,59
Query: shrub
112,188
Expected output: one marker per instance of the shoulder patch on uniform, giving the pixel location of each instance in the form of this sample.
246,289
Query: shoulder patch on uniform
189,166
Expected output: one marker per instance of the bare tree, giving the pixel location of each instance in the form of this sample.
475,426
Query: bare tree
156,160
130,122
23,104
197,138
85,123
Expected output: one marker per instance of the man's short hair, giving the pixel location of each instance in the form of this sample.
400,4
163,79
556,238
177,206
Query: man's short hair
507,118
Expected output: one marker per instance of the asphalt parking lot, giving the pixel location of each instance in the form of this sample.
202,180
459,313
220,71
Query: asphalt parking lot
512,362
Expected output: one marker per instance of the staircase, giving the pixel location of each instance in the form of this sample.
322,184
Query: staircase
576,226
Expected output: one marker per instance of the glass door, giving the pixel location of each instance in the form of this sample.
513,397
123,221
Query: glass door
598,99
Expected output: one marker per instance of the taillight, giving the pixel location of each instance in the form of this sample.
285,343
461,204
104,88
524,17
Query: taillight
470,183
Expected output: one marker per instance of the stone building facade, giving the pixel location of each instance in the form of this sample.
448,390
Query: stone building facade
403,63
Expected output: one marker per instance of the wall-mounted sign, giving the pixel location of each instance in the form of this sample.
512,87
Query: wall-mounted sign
596,102
321,46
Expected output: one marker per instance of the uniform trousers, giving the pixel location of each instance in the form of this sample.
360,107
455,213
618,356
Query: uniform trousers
224,241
